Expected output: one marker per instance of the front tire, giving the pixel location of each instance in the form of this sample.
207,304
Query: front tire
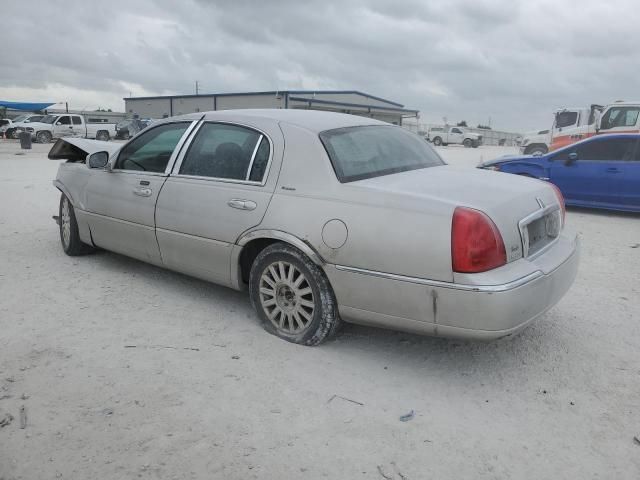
467,143
43,137
292,296
69,236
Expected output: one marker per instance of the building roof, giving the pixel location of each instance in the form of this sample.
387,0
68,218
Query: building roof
273,92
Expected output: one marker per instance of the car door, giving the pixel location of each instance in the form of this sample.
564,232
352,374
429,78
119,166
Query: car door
624,179
589,172
121,201
63,127
455,135
217,191
77,126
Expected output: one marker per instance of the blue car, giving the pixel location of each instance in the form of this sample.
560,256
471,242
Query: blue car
600,172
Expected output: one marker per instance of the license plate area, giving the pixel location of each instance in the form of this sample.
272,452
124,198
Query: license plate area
540,230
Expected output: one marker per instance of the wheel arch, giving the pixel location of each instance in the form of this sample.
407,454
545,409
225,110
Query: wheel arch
60,186
252,243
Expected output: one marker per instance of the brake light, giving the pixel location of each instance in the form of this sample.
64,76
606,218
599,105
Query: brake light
560,200
476,243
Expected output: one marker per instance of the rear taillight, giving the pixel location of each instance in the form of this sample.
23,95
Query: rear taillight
476,243
560,200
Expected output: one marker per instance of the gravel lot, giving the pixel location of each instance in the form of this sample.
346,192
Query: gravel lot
130,371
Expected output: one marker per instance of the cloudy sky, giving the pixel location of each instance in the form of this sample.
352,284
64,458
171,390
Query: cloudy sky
513,61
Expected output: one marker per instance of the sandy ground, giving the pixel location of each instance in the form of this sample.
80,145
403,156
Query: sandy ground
130,371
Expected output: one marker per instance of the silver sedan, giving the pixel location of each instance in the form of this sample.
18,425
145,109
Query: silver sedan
323,217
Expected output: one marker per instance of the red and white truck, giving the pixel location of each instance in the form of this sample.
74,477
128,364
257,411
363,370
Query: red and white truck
573,124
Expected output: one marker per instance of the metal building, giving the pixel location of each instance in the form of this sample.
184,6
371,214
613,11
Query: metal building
344,101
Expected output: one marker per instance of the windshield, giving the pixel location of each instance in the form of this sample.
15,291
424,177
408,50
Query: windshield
48,118
20,118
372,151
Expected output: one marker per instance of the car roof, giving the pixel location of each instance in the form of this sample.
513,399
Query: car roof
313,120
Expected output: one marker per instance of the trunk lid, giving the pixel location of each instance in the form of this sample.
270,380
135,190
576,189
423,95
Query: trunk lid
511,201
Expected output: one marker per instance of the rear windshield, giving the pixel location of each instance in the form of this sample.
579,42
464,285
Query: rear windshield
372,151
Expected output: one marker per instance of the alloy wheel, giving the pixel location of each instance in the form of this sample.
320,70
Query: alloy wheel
286,297
65,223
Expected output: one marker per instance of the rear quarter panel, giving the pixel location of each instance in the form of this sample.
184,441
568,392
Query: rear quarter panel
384,233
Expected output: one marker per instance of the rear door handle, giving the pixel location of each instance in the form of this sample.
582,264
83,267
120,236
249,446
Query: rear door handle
242,204
613,170
142,192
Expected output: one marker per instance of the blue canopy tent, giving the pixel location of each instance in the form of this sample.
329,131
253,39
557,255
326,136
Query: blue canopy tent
30,107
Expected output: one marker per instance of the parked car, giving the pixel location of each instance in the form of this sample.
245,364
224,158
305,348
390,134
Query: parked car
456,135
599,172
68,125
354,220
5,124
130,127
22,121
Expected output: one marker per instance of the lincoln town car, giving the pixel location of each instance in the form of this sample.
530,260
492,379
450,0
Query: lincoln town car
323,217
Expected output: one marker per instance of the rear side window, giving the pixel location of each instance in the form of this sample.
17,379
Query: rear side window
151,151
372,151
610,149
77,121
227,152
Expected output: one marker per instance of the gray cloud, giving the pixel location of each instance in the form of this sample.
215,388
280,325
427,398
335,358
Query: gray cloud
513,61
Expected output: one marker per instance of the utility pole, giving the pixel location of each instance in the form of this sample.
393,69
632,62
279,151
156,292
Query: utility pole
196,87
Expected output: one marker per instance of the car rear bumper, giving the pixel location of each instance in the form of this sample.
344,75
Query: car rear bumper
464,310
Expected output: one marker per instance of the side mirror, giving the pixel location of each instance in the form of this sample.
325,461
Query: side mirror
98,160
571,158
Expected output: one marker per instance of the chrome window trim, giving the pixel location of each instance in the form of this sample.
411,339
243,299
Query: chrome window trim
174,154
437,283
253,157
524,234
178,163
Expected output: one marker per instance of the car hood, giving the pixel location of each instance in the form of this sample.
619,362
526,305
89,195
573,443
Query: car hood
506,158
505,198
77,149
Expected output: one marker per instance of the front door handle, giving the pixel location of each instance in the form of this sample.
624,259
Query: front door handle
242,204
142,192
613,170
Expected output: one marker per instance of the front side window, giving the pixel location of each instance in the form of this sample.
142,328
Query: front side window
226,151
566,119
620,117
609,149
363,152
64,121
456,130
151,151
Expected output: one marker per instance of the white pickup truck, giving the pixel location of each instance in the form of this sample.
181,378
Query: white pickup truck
455,135
68,125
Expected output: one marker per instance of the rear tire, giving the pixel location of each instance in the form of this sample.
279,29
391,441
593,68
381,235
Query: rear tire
437,141
536,150
103,136
69,236
44,137
292,296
